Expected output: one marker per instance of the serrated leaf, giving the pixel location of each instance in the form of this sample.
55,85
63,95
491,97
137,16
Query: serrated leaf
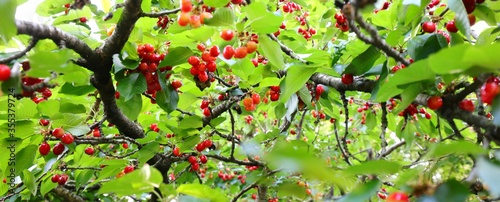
132,107
296,78
221,17
203,192
176,56
420,47
272,51
131,85
120,64
30,181
461,17
243,68
167,99
363,62
25,158
147,152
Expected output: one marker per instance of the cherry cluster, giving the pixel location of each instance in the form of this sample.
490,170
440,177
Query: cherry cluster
307,33
58,149
204,145
45,92
59,179
204,107
274,93
317,114
290,7
201,68
195,19
154,127
249,119
341,22
250,102
162,22
194,162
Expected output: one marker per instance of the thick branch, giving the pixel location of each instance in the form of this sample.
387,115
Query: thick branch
67,194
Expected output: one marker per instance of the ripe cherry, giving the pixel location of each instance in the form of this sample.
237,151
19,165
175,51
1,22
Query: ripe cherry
381,195
186,6
429,27
96,132
204,104
195,166
67,138
227,35
203,159
192,159
247,102
200,47
211,66
319,91
214,51
4,72
435,102
228,52
176,84
466,105
128,169
398,197
200,147
240,52
256,98
63,179
83,19
44,148
154,127
58,149
44,122
347,79
58,133
207,143
195,21
275,97
203,76
55,178
470,5
184,19
489,91
125,145
89,151
46,93
206,111
176,151
451,27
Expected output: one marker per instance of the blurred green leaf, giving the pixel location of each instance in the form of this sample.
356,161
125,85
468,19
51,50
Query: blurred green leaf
362,192
420,47
460,147
221,17
363,62
203,192
461,18
8,27
216,3
176,56
137,182
451,190
374,167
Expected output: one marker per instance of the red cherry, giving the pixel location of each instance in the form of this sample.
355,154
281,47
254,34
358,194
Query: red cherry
63,179
153,126
435,102
470,5
240,52
381,195
192,159
58,149
398,197
58,133
275,97
177,151
227,35
186,6
204,104
47,93
117,95
44,148
472,19
466,105
125,145
203,159
4,72
203,76
451,27
211,66
256,98
429,27
228,52
176,84
184,19
207,143
89,151
83,19
96,132
55,178
207,57
347,79
489,92
128,169
67,138
195,166
247,102
44,122
319,91
206,111
201,47
214,51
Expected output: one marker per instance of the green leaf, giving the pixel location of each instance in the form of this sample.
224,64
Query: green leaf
488,36
495,110
48,108
25,158
70,89
46,186
261,20
131,108
131,85
221,17
137,182
420,47
462,147
483,12
243,68
451,190
8,27
408,96
374,167
74,14
191,122
176,56
43,62
363,62
203,192
296,78
363,192
147,152
146,6
29,181
489,173
461,18
123,64
167,99
272,51
216,3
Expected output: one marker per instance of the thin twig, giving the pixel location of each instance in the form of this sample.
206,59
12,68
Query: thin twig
31,44
161,13
232,134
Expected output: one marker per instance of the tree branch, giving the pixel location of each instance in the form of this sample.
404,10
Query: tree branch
31,44
161,13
